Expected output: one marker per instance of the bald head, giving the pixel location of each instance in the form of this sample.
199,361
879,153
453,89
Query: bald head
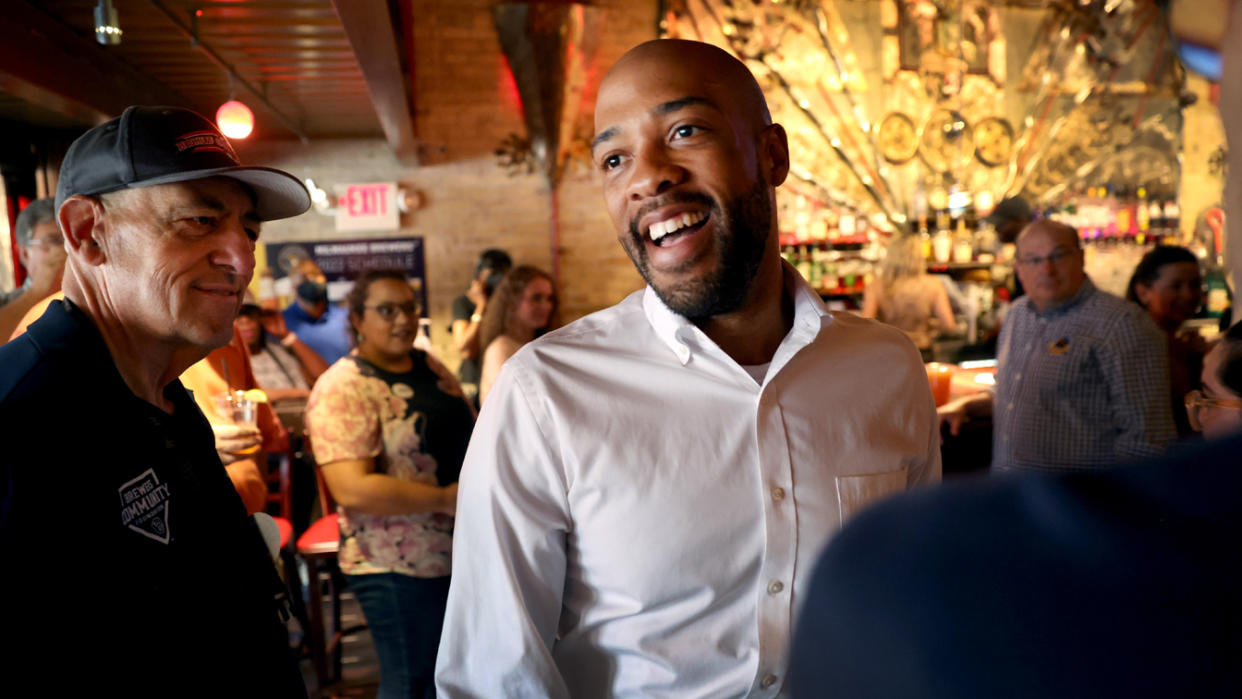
1058,232
722,77
1050,263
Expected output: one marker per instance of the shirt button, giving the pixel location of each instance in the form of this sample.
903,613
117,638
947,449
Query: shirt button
775,587
1011,405
778,493
765,400
767,681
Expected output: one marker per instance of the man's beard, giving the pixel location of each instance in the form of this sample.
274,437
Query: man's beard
745,227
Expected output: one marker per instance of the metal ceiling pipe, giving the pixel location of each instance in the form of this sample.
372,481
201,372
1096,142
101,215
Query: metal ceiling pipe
228,67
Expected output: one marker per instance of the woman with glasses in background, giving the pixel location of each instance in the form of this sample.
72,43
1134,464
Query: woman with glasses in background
389,427
1216,410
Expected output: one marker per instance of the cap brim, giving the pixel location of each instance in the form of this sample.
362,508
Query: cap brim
277,194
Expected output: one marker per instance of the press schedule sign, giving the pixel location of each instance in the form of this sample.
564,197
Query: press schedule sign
367,207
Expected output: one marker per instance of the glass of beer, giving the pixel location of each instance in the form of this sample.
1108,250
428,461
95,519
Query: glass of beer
940,376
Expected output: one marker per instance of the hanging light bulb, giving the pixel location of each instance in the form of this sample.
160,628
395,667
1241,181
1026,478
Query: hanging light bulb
107,24
235,119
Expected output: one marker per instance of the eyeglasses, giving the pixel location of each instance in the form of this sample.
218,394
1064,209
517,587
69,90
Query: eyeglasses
388,311
47,242
1056,258
1196,403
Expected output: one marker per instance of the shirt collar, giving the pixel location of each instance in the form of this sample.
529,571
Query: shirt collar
301,315
66,327
677,332
1067,305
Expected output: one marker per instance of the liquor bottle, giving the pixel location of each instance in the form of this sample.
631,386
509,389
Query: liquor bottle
1172,221
963,250
1127,227
1155,215
942,246
804,263
1142,216
787,252
1108,213
925,239
816,277
847,224
1218,297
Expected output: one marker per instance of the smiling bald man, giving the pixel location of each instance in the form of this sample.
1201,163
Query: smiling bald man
647,488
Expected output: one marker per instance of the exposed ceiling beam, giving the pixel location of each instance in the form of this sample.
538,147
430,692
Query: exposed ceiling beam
369,27
46,63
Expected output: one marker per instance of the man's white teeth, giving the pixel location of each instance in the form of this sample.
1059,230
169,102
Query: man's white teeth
659,229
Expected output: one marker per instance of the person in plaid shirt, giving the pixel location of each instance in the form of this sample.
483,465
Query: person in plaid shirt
1079,371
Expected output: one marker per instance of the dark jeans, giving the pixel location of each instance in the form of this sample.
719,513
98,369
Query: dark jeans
404,615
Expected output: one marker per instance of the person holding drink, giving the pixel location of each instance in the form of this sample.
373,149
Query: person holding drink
114,498
220,383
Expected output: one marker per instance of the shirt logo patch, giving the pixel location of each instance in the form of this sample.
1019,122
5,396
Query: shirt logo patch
1059,347
401,390
144,506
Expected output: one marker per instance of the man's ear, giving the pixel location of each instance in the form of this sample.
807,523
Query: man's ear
81,219
774,153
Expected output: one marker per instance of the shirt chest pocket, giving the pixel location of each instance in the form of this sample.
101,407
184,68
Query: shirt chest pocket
854,493
1065,366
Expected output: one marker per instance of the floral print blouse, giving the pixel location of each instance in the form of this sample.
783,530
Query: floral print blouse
415,426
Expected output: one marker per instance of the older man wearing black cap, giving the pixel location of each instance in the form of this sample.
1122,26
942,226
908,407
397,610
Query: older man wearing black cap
128,555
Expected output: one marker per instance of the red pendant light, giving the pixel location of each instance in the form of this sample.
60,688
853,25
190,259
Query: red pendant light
235,119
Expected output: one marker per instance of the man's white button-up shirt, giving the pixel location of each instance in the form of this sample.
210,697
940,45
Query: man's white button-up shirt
638,516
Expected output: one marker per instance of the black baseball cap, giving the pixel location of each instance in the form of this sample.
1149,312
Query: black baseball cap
157,145
1011,209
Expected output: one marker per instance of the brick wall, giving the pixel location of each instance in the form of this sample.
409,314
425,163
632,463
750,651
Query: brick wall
465,107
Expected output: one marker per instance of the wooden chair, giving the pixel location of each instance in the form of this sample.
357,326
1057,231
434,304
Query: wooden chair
318,547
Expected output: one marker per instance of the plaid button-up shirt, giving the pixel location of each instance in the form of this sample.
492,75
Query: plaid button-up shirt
1081,385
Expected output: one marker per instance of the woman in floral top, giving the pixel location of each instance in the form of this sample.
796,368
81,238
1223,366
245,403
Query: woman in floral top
389,427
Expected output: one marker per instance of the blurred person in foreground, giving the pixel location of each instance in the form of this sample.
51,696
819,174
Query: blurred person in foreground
468,311
390,425
1168,284
905,296
1082,376
647,487
1117,583
523,307
170,589
41,249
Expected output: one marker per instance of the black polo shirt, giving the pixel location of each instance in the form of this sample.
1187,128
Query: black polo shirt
127,560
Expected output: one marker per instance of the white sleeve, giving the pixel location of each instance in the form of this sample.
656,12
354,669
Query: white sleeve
508,554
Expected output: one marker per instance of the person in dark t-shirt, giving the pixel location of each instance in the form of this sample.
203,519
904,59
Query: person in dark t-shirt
130,562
